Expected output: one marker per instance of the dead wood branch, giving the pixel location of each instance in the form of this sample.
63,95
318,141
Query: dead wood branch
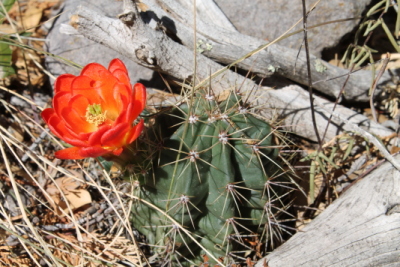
361,228
224,45
148,45
293,104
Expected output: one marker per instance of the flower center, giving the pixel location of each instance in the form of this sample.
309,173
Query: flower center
94,114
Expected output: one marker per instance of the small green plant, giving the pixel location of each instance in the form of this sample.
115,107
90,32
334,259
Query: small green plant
216,175
6,68
359,54
335,159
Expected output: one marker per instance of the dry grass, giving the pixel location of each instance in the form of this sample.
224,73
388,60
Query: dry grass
51,212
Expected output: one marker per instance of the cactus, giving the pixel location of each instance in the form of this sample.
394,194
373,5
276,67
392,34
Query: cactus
216,176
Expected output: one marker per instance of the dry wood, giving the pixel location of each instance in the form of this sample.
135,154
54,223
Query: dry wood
293,104
148,45
226,46
361,228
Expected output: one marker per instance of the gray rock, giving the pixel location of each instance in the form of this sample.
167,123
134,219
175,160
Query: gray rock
82,51
268,19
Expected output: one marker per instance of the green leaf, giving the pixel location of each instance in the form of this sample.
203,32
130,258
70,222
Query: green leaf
6,68
106,164
7,5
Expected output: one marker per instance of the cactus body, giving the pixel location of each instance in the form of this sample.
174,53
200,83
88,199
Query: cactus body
217,177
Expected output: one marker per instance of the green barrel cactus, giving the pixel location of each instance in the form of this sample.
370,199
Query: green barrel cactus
215,177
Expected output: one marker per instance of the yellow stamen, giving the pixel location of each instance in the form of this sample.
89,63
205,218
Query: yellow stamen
94,115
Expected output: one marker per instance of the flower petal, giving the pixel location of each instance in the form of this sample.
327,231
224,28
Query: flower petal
63,83
106,91
117,64
60,101
94,139
135,132
74,142
138,102
51,119
118,151
140,95
123,96
100,83
122,76
76,122
115,136
47,113
93,71
79,103
83,85
93,152
69,153
84,136
58,127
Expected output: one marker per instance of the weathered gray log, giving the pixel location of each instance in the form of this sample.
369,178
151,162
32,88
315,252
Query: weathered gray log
268,19
81,51
293,104
149,46
360,228
154,49
226,46
207,10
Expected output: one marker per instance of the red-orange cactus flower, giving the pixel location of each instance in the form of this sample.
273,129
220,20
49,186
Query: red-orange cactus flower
95,111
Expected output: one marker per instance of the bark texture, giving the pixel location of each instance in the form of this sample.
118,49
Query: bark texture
226,46
149,45
361,228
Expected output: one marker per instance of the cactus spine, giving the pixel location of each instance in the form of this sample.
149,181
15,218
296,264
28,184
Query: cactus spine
216,175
